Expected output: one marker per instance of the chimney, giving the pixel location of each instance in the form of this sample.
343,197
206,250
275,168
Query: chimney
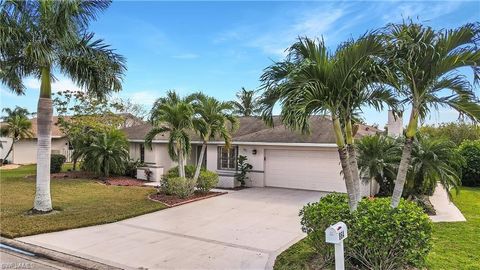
394,125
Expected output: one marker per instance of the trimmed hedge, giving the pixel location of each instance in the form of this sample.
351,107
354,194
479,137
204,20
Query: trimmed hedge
470,151
379,237
178,186
56,162
206,181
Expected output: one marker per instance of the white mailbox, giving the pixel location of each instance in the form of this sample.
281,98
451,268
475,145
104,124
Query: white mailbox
336,233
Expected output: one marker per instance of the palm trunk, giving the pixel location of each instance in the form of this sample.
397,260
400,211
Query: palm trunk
9,151
352,160
181,164
347,173
43,200
200,161
406,158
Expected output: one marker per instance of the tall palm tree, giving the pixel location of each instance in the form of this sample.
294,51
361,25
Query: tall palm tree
38,38
174,115
246,103
314,81
107,152
16,125
423,64
213,119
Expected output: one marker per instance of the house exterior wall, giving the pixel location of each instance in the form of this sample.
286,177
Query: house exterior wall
157,156
25,151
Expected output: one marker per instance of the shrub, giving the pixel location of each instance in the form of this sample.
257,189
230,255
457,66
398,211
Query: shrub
56,162
243,167
206,181
179,186
470,150
379,237
131,167
189,171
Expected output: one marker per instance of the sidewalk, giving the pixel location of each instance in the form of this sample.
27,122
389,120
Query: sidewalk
446,210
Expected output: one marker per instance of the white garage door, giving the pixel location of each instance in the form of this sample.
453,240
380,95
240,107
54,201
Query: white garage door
312,170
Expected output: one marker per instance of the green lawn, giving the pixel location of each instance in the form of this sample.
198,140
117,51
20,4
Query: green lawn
79,203
455,245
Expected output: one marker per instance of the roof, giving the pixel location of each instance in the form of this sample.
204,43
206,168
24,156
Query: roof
253,129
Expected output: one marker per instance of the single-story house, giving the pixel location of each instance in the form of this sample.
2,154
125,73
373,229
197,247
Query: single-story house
280,157
25,150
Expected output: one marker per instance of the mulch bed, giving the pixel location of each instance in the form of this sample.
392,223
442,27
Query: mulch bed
171,200
124,181
235,188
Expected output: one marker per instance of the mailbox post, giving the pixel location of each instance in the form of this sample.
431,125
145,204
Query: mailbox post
335,234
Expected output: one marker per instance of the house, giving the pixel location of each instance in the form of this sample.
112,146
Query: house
25,150
280,157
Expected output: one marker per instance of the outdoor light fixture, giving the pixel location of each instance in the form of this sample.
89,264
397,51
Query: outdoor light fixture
254,151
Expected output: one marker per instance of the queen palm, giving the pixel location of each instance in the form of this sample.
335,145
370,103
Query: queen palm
16,125
174,115
246,103
423,64
213,119
314,81
38,38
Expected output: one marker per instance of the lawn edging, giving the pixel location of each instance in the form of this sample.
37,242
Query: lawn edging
61,257
187,201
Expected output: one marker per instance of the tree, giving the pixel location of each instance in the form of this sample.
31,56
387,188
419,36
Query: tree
314,81
246,104
457,132
174,115
39,37
107,153
424,63
213,119
16,125
378,158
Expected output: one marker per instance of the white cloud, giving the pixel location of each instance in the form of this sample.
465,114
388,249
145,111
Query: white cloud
418,10
60,84
186,56
143,97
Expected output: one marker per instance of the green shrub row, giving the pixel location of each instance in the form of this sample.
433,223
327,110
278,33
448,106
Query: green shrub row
172,184
56,162
470,151
379,237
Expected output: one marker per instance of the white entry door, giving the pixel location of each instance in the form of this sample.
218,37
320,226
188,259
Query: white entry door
304,169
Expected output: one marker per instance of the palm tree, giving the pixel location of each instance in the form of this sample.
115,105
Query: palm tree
423,63
314,81
173,115
38,38
213,119
433,161
246,103
16,125
107,153
378,158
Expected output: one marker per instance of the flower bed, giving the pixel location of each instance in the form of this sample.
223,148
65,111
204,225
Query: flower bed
172,200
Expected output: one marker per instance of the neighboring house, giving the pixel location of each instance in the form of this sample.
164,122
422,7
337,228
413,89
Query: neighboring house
25,151
280,157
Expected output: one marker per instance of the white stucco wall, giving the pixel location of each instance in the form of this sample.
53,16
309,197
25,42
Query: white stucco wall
25,151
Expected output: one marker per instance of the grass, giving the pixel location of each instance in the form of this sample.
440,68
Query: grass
79,203
455,245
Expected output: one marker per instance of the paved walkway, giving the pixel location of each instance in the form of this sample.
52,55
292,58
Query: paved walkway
14,260
446,210
243,229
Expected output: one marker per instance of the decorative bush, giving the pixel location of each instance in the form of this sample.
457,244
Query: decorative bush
379,237
243,167
179,186
56,162
470,150
189,171
131,167
206,181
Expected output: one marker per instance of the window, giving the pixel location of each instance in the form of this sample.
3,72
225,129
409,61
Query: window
142,153
227,158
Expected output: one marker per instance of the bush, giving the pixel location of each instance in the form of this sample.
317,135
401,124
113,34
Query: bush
206,181
470,150
379,237
131,167
189,171
178,186
56,162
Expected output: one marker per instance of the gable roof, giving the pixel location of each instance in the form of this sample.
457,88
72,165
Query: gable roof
253,129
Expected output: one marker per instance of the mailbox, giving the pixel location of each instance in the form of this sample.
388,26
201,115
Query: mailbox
336,233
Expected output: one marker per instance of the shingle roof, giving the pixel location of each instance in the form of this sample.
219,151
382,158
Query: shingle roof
253,129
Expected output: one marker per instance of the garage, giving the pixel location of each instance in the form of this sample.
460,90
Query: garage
304,169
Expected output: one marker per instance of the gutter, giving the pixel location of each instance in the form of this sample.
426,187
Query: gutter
327,145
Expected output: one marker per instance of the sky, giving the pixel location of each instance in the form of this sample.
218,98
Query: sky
219,47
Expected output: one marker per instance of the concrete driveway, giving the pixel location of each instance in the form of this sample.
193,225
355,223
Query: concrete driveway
243,229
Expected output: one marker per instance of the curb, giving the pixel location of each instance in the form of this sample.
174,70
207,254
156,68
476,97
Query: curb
57,256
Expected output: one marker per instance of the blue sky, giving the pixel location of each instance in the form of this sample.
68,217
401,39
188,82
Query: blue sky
218,47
